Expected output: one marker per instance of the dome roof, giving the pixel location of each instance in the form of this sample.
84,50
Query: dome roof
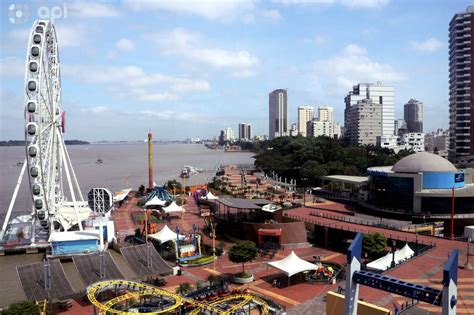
423,162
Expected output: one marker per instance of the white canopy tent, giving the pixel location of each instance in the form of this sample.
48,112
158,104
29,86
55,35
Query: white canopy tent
211,196
120,195
271,208
173,207
155,201
165,235
383,263
292,264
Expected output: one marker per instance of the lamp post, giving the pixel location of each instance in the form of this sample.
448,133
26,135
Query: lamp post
304,190
468,265
213,226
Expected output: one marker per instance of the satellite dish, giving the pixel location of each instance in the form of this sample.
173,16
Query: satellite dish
100,200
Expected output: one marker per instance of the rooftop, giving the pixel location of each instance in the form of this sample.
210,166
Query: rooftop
423,162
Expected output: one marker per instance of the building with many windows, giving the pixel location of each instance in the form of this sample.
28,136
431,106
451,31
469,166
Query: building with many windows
305,114
245,132
278,114
316,128
461,85
363,122
378,93
413,114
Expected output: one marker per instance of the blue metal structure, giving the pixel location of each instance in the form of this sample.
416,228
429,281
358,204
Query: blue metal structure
447,298
161,193
400,287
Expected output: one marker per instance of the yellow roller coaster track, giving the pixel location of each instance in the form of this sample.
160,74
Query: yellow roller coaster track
144,290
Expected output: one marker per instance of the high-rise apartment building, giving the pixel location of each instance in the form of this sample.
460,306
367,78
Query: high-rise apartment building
378,94
363,122
325,113
278,114
245,132
318,128
305,114
461,84
413,114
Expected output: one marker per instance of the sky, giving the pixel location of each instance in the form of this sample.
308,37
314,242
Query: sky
189,68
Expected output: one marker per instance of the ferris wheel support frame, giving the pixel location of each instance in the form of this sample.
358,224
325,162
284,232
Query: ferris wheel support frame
65,157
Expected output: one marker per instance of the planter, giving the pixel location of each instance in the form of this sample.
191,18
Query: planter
243,280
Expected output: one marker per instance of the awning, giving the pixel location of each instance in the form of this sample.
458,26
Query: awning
173,207
269,232
383,263
292,264
271,208
66,216
210,196
155,201
120,195
74,236
165,235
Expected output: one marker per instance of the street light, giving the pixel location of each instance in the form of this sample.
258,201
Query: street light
468,265
213,227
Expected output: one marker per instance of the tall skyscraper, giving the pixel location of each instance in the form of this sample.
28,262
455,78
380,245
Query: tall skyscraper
245,132
413,114
378,94
278,114
305,114
461,84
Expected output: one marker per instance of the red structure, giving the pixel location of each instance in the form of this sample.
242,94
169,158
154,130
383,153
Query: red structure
150,161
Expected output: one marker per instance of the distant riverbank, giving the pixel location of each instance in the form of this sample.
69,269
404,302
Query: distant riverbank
15,143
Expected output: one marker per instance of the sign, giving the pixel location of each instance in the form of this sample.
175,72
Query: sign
459,177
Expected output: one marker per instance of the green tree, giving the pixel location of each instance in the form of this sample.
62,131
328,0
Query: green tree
184,288
24,307
374,244
213,279
173,185
242,252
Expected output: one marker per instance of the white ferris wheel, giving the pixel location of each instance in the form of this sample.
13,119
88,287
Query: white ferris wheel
47,159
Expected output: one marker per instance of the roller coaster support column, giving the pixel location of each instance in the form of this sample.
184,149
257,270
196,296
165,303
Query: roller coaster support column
354,254
450,284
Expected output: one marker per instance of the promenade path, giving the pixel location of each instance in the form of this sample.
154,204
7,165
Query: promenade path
425,269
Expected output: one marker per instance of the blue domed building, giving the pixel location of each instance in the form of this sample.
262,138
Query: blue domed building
421,184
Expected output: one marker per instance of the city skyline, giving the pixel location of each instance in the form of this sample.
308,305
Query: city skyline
202,63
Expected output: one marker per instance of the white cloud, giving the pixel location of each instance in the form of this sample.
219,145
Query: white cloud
430,45
12,67
273,15
318,40
67,35
169,115
246,73
125,44
189,45
352,66
89,9
209,9
70,36
95,109
134,82
354,49
371,4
